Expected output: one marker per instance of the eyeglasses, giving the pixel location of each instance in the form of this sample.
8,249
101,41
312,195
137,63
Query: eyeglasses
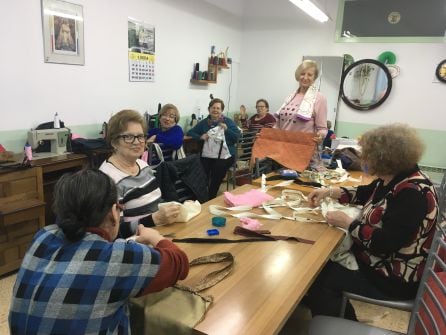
170,116
130,139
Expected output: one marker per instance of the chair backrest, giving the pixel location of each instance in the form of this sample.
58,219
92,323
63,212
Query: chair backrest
245,144
262,166
429,314
441,190
183,191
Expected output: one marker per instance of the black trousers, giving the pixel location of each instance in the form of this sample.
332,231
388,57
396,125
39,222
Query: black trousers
215,170
325,295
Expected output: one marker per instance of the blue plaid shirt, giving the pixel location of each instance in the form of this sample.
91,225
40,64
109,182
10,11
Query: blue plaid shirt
79,287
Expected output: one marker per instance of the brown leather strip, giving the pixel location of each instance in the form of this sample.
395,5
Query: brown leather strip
252,233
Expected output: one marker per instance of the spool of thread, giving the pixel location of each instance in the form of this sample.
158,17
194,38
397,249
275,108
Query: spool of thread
28,152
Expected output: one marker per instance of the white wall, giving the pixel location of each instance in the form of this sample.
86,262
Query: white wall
31,91
272,48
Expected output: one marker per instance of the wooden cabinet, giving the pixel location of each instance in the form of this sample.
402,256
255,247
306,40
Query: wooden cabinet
22,214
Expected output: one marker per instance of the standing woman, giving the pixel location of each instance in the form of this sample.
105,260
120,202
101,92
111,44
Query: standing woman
220,135
305,110
263,119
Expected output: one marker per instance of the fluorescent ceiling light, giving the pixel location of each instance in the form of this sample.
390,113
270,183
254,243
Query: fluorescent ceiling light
311,9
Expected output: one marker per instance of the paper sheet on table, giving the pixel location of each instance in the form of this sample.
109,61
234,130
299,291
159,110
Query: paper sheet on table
291,149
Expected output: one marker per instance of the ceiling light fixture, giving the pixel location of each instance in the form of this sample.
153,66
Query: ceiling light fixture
311,9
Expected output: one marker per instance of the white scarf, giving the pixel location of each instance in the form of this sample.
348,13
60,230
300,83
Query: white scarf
306,107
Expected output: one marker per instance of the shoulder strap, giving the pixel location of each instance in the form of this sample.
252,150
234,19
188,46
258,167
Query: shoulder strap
214,277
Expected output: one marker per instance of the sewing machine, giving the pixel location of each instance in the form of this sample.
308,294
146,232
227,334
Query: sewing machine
57,137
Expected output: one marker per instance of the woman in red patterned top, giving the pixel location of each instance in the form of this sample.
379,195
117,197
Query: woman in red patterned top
263,119
393,234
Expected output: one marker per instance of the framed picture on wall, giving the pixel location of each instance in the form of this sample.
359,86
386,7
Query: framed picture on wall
63,32
440,72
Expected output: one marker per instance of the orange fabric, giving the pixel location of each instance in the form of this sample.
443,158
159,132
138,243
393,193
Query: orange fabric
291,149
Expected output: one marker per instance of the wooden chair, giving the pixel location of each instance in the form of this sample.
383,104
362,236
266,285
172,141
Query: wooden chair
428,314
242,157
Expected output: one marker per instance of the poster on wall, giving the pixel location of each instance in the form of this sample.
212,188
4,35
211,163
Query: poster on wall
63,32
141,44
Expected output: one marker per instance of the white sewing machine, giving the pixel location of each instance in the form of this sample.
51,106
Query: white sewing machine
58,144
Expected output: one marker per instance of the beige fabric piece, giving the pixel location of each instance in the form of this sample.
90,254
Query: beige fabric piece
291,149
188,210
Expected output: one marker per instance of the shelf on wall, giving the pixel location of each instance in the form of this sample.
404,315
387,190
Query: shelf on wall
212,68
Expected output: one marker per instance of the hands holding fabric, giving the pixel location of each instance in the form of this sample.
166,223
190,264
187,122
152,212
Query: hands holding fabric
335,218
166,214
146,235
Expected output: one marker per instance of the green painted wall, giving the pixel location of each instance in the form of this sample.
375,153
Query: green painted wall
435,141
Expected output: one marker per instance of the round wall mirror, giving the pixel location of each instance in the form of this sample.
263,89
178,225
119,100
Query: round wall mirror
366,84
440,72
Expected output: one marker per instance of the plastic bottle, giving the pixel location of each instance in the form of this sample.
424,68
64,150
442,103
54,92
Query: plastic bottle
56,121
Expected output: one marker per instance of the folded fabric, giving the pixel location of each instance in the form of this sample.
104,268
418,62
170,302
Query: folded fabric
251,198
188,209
251,224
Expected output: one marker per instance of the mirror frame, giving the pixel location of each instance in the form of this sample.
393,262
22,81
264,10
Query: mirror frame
438,71
372,106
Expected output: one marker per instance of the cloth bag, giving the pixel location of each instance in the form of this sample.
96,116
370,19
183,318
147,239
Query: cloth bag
188,210
291,149
178,309
215,146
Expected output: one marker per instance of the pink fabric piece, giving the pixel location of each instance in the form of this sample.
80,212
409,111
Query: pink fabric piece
251,224
74,136
251,198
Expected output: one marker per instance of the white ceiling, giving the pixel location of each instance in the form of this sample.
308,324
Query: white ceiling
263,8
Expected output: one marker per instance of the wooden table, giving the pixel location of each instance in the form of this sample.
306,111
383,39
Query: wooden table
363,178
269,278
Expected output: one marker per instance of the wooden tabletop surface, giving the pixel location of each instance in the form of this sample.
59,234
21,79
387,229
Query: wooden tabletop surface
269,278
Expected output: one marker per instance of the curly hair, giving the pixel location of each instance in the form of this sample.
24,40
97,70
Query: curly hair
82,200
391,149
217,101
119,122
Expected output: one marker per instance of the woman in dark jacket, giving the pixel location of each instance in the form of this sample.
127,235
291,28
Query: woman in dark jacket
220,135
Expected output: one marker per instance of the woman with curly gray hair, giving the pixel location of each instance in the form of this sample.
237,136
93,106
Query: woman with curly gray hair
392,236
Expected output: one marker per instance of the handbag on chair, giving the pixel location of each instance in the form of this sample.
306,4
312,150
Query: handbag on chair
178,309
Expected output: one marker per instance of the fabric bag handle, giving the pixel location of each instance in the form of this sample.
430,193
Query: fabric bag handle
159,153
214,277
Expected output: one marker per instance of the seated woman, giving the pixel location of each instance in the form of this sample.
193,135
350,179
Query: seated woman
138,189
392,236
220,135
76,278
169,135
263,119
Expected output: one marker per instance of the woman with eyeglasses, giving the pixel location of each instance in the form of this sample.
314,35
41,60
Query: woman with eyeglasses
137,187
169,134
263,119
76,278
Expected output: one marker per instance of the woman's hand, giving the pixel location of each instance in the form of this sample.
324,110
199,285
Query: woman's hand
223,125
318,139
316,196
166,214
339,219
146,235
150,140
204,137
